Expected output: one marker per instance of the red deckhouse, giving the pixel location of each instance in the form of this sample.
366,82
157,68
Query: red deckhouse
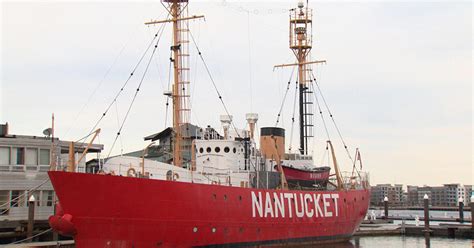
230,191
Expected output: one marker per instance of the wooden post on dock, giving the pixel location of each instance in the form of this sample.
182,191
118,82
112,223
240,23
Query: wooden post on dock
385,204
472,211
31,217
461,210
426,202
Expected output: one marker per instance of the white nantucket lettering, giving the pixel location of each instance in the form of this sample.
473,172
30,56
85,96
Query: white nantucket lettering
268,205
335,197
257,204
289,196
308,198
326,204
319,212
298,212
279,205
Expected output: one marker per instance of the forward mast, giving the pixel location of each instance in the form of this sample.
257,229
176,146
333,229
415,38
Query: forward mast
180,94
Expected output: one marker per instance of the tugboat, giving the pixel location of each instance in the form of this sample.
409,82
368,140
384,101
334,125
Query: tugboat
231,192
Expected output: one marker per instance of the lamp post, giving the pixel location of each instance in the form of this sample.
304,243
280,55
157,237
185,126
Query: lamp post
385,204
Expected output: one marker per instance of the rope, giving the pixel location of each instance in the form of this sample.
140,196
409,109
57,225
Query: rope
136,93
332,118
32,237
213,82
284,97
168,98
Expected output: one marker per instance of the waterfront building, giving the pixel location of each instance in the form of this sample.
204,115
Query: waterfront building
24,163
393,193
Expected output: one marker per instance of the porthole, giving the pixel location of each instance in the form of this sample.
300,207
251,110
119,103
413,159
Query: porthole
217,149
201,150
214,229
234,150
214,196
226,149
225,197
240,198
195,229
355,199
344,199
241,229
208,150
363,198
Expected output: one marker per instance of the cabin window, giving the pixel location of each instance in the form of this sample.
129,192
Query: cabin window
4,155
201,150
234,150
226,149
208,150
217,149
44,157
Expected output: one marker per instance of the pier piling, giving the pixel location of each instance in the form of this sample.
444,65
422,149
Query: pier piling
461,210
31,216
472,212
426,204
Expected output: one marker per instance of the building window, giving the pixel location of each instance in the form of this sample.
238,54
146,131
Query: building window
17,198
4,155
18,155
31,156
4,198
47,198
44,158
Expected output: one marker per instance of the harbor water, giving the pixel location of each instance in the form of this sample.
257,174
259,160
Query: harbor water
398,242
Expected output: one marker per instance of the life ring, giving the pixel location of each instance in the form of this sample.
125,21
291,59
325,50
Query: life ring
175,176
131,172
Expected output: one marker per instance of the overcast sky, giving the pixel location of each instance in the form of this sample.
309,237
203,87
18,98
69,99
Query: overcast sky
398,77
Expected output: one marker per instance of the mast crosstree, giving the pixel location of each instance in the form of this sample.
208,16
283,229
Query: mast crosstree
301,44
180,94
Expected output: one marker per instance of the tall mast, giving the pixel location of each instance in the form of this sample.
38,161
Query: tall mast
177,10
301,44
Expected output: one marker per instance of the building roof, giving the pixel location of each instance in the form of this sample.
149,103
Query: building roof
188,130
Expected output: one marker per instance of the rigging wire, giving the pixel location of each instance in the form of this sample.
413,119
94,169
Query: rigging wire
118,125
136,93
212,80
123,86
332,117
168,98
284,97
99,84
32,237
293,116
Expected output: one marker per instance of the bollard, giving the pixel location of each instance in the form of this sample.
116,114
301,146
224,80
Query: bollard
385,204
461,210
31,216
427,215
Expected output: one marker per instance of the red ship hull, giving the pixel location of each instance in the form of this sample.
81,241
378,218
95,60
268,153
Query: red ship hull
114,211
